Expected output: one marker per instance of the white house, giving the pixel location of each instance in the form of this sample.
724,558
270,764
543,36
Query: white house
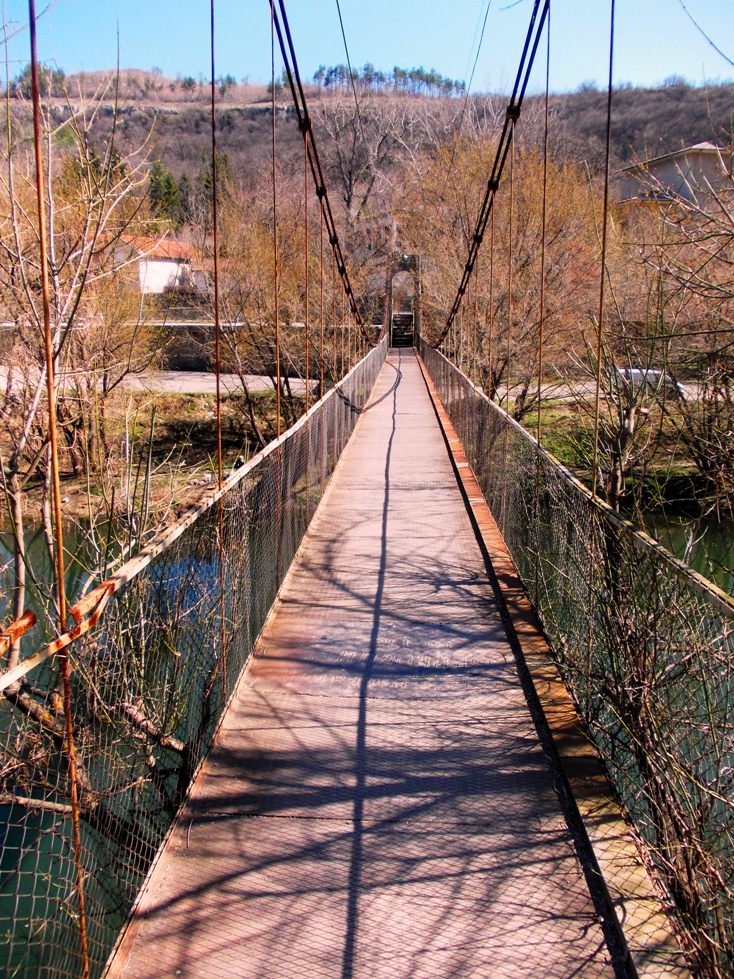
164,265
686,174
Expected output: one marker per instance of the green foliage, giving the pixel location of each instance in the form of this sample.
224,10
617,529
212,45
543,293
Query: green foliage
185,200
50,81
281,83
162,190
413,81
203,197
64,137
224,83
168,199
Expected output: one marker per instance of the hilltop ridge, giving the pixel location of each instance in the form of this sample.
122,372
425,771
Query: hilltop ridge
171,114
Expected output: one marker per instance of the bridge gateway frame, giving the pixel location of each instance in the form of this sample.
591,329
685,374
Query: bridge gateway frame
403,309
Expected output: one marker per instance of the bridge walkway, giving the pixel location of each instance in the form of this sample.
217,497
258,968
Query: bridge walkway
377,802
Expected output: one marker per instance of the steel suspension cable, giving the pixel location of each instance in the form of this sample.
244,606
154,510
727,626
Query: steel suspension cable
541,323
351,73
512,115
349,340
593,522
321,304
306,323
508,350
58,531
490,330
510,276
462,340
464,334
276,304
343,338
290,62
474,327
334,339
215,249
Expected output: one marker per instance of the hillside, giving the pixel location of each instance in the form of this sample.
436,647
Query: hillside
171,117
646,122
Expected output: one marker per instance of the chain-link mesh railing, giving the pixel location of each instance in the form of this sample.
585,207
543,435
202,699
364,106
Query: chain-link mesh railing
646,646
149,682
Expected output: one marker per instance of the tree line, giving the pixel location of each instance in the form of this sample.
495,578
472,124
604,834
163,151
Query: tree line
411,81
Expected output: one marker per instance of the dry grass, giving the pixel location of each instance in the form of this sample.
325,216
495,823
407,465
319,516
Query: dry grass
149,88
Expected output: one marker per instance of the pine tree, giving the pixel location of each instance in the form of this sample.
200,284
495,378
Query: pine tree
163,193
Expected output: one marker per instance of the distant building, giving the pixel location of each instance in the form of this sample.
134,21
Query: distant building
686,174
164,265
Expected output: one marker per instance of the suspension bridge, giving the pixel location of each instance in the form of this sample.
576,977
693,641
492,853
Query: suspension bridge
378,800
401,697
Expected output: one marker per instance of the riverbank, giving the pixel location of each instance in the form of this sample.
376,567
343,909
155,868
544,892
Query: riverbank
161,447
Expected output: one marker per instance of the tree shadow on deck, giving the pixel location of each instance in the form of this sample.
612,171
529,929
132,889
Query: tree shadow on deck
380,804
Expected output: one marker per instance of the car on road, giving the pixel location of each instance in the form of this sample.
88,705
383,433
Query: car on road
651,380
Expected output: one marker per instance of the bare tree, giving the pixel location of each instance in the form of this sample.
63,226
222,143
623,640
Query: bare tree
686,238
92,202
437,218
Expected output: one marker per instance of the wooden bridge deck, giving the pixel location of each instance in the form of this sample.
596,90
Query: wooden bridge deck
377,802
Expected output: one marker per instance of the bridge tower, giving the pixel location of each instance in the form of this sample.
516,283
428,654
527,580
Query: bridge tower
403,301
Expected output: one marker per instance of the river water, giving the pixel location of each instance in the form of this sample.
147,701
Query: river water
705,543
82,571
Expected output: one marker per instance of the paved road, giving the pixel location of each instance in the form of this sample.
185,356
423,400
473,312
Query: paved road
189,382
377,803
204,382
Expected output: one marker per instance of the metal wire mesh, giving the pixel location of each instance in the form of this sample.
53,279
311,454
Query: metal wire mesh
646,647
149,684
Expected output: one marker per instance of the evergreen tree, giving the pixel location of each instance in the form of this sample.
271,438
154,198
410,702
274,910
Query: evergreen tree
203,194
50,81
185,201
163,193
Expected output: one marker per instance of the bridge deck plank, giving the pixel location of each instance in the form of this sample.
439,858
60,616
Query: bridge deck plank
377,802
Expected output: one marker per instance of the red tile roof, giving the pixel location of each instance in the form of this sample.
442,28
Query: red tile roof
163,248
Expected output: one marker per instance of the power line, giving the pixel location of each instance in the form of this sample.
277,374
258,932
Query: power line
479,48
466,97
703,33
351,73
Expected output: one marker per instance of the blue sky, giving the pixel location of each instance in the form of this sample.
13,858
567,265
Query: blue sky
655,39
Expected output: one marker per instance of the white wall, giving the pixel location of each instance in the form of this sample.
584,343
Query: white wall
684,176
158,274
